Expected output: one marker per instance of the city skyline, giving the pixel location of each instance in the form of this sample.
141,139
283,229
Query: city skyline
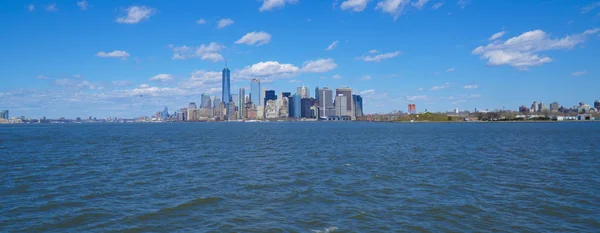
435,54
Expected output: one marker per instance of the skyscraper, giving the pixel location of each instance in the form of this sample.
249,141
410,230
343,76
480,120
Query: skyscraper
303,91
205,101
270,95
295,106
305,107
597,105
326,102
165,113
317,94
358,105
554,107
191,112
535,107
226,93
255,95
235,99
4,114
341,108
412,109
346,91
242,100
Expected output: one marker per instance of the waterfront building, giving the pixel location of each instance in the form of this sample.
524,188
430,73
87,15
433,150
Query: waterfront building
412,109
255,95
358,105
305,107
286,94
270,95
347,92
523,109
251,112
165,113
317,94
205,101
271,109
542,107
181,117
341,105
242,102
554,107
303,91
535,107
326,107
584,108
284,107
260,112
226,88
191,112
231,111
294,106
597,104
4,114
235,99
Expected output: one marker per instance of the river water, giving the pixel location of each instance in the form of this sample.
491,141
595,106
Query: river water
300,177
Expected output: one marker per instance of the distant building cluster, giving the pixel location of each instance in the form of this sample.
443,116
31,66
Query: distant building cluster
261,104
540,107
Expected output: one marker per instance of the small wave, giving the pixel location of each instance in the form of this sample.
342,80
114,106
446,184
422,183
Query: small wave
326,230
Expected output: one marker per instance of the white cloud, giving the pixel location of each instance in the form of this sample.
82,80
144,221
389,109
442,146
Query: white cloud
255,38
83,5
450,70
42,77
30,7
579,73
459,101
161,77
392,7
590,7
379,57
332,45
471,87
135,14
51,7
224,23
523,51
76,84
416,97
274,4
437,88
205,52
463,3
116,53
77,76
497,35
201,21
437,5
419,4
319,66
367,92
420,89
336,76
366,77
373,51
354,5
268,69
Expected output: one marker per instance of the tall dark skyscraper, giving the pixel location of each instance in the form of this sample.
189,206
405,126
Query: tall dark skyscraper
358,105
317,94
226,85
4,114
255,95
347,92
270,95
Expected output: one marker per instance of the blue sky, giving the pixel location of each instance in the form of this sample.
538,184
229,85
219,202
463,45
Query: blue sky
82,58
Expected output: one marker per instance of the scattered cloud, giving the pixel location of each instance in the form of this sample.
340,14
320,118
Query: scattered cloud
51,7
294,81
42,77
269,5
224,23
459,101
523,51
201,21
205,52
30,7
420,89
579,73
83,5
419,4
497,35
437,5
416,97
121,83
77,84
367,92
590,7
319,66
451,69
135,14
393,7
463,3
77,76
332,45
373,51
366,77
255,38
471,87
379,57
336,76
437,88
115,53
161,77
354,5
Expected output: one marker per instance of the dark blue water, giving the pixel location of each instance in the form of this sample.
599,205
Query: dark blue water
300,177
